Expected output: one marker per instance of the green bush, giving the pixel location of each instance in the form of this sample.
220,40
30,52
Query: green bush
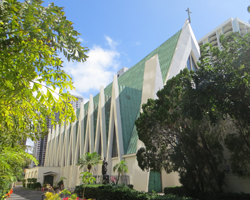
181,192
100,192
178,191
222,196
24,183
37,185
131,186
29,185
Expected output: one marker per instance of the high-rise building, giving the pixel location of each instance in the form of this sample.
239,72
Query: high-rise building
40,145
226,28
122,71
40,150
76,104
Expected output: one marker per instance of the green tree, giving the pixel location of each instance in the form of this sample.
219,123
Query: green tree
175,142
121,168
89,160
33,39
224,81
12,161
87,178
196,112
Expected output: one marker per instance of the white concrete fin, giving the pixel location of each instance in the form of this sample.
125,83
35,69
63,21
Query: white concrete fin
46,162
60,144
115,121
158,77
71,148
89,136
80,135
152,79
51,155
65,145
82,128
55,145
101,125
187,43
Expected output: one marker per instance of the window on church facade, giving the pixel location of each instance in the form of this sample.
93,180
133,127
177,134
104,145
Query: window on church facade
88,148
114,146
100,146
194,67
188,63
191,64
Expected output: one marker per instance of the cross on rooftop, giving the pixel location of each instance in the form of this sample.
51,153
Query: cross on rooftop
189,18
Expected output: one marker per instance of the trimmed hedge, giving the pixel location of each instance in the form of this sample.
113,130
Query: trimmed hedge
24,183
223,196
179,191
107,192
131,186
37,185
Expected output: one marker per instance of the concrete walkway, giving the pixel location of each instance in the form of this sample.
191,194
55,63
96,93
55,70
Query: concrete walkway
20,193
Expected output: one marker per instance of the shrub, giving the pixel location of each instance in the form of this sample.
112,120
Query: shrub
130,186
178,191
181,192
100,192
223,196
37,185
24,183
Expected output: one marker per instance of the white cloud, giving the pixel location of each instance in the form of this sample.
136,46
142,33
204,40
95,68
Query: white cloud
111,42
80,39
137,43
98,70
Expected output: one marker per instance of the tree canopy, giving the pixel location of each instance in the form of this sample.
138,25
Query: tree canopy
89,160
32,41
195,113
121,168
33,84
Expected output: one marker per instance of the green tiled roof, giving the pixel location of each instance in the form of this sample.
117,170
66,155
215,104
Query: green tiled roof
130,100
133,142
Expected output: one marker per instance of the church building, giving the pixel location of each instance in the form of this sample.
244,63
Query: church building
106,123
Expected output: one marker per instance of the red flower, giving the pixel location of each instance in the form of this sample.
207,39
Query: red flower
66,198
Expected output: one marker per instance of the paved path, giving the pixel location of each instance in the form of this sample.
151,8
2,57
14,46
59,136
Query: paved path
20,193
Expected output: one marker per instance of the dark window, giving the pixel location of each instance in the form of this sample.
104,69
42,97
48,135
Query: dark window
188,63
100,146
193,64
88,147
114,146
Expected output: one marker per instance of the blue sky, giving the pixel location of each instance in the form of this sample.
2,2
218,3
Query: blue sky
120,33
